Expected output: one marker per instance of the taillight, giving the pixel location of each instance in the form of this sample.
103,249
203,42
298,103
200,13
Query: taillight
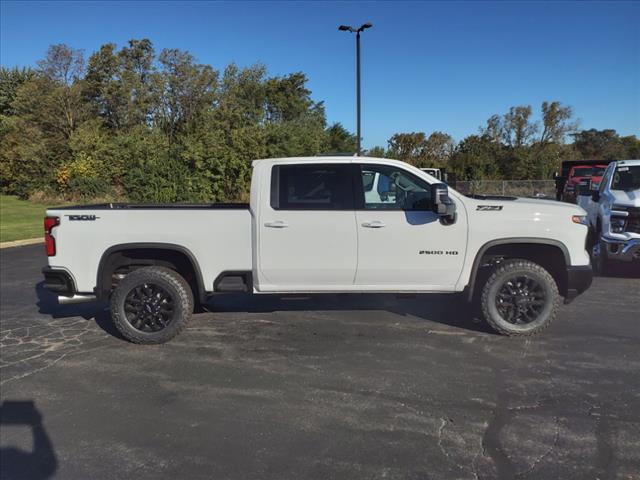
49,241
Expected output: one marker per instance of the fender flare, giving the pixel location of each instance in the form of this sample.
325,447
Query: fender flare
202,295
506,241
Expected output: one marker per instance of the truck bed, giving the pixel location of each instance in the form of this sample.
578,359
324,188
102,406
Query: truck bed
218,235
157,206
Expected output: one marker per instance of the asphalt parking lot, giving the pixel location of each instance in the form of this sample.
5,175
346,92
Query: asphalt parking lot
349,386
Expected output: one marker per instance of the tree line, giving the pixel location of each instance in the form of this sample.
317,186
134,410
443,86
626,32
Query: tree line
134,124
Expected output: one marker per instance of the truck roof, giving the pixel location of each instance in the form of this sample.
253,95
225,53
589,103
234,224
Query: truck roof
328,159
628,162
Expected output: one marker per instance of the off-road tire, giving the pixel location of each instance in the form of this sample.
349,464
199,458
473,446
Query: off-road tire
173,284
503,272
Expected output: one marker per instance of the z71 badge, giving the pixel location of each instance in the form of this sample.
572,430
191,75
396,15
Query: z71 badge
489,208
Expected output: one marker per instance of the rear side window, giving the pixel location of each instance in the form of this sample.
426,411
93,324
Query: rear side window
311,187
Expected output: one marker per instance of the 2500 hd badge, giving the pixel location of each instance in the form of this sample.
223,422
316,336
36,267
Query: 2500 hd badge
438,252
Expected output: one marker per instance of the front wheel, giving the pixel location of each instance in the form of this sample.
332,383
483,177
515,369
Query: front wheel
601,262
520,298
151,305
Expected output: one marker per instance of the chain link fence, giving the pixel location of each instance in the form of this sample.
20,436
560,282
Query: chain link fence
515,188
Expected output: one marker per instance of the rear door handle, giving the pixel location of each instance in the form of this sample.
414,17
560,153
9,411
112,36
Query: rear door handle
277,224
374,224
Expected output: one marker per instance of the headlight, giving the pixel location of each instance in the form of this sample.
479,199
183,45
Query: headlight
618,224
595,186
581,219
570,188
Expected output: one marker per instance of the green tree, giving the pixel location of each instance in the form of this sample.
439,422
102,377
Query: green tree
287,98
599,144
422,151
408,147
438,150
477,158
340,140
10,80
376,152
517,128
557,123
186,90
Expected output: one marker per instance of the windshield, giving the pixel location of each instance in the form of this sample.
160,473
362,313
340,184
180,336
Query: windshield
598,171
626,178
582,172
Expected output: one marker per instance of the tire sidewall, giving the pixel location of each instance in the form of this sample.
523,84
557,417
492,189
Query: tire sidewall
496,282
174,285
603,259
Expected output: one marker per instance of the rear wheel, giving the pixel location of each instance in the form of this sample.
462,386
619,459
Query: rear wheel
151,305
520,298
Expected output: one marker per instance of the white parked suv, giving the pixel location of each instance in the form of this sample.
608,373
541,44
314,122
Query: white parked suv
613,211
313,225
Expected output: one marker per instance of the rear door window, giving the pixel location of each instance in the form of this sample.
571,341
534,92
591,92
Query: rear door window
312,187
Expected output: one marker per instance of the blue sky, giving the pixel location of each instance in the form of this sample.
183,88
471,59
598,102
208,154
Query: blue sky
426,65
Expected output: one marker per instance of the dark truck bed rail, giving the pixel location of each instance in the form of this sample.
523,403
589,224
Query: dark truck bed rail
157,206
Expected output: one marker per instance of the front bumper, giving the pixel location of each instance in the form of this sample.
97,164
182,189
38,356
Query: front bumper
622,250
578,280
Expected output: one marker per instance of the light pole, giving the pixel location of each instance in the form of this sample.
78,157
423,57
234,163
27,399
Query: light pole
345,28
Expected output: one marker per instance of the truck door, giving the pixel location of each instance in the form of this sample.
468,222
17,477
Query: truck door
402,245
307,232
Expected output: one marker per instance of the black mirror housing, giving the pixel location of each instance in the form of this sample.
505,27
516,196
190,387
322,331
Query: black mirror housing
584,188
441,204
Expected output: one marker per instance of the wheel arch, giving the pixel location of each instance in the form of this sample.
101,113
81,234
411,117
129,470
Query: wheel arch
174,256
529,248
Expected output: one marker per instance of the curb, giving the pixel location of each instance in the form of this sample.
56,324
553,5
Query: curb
20,243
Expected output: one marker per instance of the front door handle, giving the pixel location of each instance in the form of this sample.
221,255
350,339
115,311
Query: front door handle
277,224
374,224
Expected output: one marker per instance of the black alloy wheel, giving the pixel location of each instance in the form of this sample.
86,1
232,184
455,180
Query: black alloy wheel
521,299
151,305
149,308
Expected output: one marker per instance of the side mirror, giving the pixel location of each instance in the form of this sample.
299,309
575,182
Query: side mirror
584,188
441,204
595,196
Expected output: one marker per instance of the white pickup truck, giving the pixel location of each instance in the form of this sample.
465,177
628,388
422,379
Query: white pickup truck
319,224
613,211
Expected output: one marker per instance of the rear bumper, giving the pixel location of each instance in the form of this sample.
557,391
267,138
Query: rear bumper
624,251
578,280
58,281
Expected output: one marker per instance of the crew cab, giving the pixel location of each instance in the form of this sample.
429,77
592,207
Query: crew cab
321,224
578,174
613,211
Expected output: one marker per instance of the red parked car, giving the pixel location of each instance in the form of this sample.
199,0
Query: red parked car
578,174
